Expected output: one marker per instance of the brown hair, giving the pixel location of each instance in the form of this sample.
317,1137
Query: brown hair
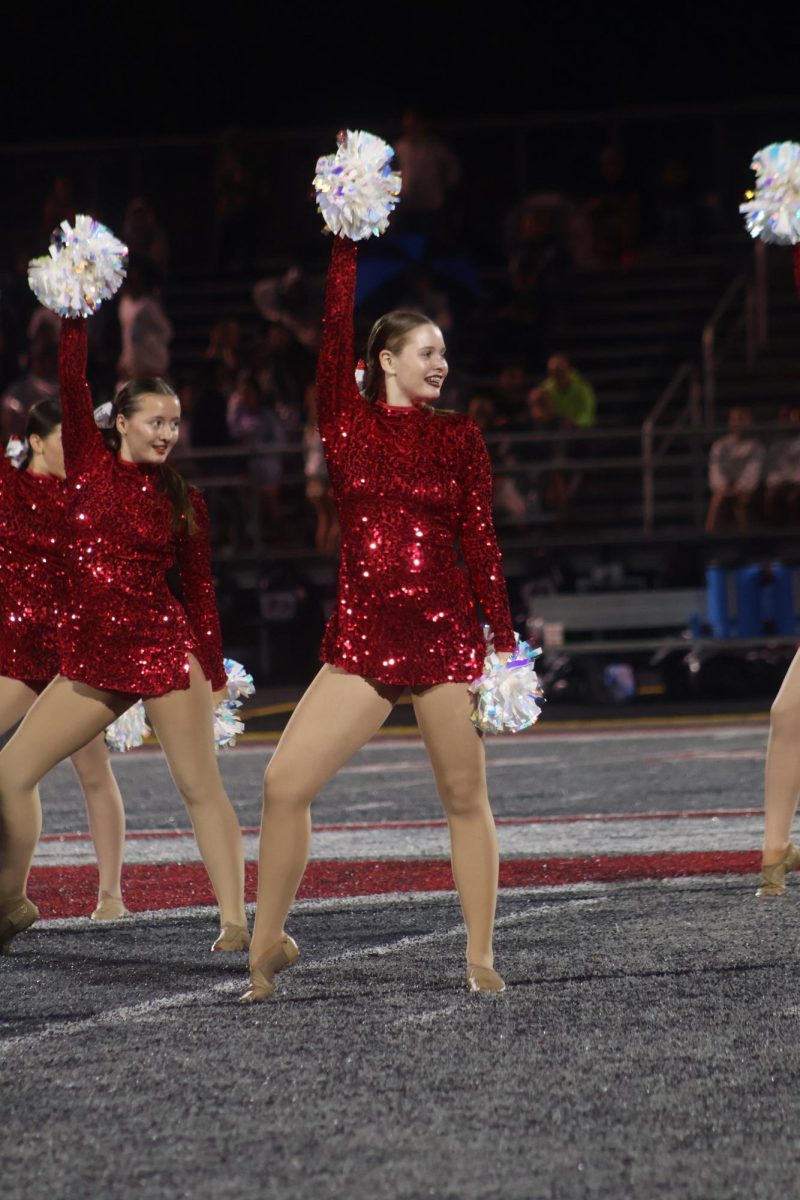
176,489
388,333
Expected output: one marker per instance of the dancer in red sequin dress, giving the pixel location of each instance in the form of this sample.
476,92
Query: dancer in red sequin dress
129,518
33,595
412,485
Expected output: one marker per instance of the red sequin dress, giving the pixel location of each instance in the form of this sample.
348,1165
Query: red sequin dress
32,573
125,631
410,485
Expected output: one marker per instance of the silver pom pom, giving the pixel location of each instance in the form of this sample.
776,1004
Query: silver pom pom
227,724
85,266
772,211
506,694
129,730
356,188
240,683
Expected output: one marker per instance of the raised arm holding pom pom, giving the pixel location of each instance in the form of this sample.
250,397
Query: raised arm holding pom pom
130,516
412,484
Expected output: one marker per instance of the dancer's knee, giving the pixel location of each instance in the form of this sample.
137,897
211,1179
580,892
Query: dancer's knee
463,796
283,789
784,715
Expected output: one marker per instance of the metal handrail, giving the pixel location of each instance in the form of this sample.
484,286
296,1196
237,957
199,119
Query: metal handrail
754,315
689,416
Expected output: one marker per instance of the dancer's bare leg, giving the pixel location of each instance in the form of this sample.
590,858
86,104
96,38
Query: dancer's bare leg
183,722
105,813
457,756
65,717
782,773
15,700
338,714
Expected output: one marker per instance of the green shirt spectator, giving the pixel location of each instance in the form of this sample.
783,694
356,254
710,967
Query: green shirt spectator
572,396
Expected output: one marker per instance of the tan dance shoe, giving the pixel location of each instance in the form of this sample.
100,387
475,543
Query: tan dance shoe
773,877
280,955
483,979
232,938
110,908
15,916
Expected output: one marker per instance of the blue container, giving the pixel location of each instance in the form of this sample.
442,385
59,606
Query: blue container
764,601
717,602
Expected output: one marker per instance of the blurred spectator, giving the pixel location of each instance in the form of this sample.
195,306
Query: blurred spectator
292,303
225,350
735,470
546,481
430,172
40,382
676,209
145,238
782,471
613,211
423,295
572,396
540,271
482,409
146,330
254,423
318,485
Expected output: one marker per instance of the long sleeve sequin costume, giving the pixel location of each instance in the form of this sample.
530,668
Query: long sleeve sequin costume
125,631
32,573
410,483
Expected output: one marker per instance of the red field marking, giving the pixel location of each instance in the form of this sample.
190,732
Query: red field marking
71,891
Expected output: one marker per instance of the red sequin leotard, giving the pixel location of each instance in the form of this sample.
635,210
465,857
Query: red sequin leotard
410,484
125,631
32,573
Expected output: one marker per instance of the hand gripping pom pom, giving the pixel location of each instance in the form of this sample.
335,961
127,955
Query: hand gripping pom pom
129,730
356,188
85,266
506,693
772,211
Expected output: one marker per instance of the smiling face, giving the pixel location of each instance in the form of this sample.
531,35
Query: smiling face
149,433
416,370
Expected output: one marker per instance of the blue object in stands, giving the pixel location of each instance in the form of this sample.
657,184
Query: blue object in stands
764,601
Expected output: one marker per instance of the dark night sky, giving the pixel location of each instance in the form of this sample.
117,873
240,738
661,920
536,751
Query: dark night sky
96,74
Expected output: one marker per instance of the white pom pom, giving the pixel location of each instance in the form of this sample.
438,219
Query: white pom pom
240,683
227,724
356,188
85,266
506,694
129,730
772,211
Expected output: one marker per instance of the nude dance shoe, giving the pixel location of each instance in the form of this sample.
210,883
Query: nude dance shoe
110,908
280,955
483,980
232,938
15,916
773,877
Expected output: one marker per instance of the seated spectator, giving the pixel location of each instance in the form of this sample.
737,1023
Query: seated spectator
735,470
40,382
145,327
782,471
430,172
546,484
572,396
293,304
613,210
225,349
